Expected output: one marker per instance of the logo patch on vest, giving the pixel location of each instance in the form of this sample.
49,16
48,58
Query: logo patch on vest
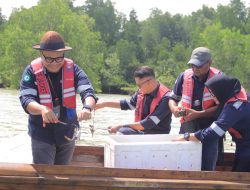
26,78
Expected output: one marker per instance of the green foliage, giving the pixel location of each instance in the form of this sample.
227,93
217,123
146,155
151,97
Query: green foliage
109,47
26,26
233,15
230,51
126,52
107,22
111,72
131,33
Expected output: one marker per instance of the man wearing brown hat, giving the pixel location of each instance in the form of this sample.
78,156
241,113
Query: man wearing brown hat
48,94
197,107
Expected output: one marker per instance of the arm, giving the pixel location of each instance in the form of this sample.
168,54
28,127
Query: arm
174,107
176,95
108,104
127,105
48,115
35,108
29,98
122,104
86,91
136,126
193,114
228,118
90,101
191,138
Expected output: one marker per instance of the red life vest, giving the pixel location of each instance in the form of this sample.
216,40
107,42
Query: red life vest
140,101
68,88
242,96
187,90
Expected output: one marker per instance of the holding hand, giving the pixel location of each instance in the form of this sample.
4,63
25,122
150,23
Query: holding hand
84,114
48,116
179,111
191,114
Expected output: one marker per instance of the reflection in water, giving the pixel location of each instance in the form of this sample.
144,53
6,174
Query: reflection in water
13,120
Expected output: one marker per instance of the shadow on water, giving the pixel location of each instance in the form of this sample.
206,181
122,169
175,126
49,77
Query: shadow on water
13,119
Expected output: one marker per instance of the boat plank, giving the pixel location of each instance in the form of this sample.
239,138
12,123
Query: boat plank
15,169
90,150
79,182
40,170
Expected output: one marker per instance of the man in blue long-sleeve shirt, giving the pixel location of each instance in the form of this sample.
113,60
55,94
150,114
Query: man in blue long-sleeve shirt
48,94
191,98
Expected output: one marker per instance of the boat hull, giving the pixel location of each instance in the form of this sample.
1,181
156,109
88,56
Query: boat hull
28,176
87,172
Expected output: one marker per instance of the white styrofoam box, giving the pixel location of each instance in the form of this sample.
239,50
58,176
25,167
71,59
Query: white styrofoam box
151,152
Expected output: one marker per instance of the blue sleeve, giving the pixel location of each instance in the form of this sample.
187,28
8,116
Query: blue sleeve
83,84
158,115
227,119
177,90
28,88
129,105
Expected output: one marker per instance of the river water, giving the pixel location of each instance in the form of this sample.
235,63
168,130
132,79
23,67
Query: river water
13,119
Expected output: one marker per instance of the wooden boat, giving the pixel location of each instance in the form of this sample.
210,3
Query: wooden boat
87,172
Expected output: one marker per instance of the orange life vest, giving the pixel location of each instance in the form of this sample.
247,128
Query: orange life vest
188,86
68,88
156,100
242,96
187,90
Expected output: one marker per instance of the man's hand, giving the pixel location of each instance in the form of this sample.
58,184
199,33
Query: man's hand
179,138
48,116
179,111
84,114
191,114
114,129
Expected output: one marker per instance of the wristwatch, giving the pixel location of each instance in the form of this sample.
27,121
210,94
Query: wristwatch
87,107
186,136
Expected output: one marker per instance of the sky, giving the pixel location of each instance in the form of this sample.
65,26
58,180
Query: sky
142,7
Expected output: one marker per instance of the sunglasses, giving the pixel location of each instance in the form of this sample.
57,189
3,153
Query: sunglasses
144,82
52,59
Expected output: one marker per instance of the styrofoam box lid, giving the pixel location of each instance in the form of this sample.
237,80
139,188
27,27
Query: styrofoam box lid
144,139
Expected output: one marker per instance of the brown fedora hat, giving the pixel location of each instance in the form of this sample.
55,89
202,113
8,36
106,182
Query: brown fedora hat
52,41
